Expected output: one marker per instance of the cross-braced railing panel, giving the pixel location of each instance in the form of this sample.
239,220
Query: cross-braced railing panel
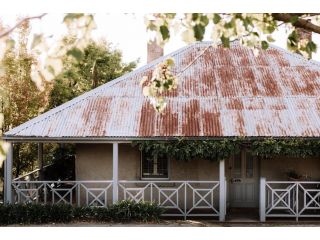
179,198
292,199
81,193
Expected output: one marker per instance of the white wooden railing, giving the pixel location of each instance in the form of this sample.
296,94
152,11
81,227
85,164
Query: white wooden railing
179,198
89,193
297,199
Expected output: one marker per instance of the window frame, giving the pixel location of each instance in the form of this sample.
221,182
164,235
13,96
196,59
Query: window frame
154,178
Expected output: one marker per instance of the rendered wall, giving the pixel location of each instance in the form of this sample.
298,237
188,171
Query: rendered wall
94,162
275,169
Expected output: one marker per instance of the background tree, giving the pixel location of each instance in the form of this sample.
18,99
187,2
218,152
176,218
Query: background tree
98,65
21,98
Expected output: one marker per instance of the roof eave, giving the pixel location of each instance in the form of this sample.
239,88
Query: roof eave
128,139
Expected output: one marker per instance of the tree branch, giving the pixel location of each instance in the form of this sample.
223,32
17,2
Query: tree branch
300,23
7,32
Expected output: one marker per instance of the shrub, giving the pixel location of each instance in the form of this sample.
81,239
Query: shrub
122,211
129,210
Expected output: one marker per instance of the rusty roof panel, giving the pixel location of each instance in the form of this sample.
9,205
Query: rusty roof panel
222,93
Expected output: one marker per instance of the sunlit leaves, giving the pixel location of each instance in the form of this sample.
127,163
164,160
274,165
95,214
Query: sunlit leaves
264,45
37,39
303,46
164,32
216,18
3,150
10,43
199,31
225,28
71,16
225,41
162,80
79,26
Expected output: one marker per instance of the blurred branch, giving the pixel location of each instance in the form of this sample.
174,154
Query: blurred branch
7,32
300,22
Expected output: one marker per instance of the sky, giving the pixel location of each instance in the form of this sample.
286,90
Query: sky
126,32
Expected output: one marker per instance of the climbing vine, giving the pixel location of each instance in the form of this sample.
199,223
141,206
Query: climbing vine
213,150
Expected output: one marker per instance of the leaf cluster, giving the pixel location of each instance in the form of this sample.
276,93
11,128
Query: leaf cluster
214,150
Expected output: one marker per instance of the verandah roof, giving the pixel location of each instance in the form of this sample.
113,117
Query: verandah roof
224,93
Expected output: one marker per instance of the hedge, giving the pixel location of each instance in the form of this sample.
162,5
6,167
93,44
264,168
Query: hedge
122,211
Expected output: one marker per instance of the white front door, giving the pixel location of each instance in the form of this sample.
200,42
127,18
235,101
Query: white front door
243,182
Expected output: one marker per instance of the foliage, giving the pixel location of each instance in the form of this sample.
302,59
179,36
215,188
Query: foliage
60,159
214,150
187,150
252,30
38,214
20,98
99,64
162,80
34,213
302,148
128,210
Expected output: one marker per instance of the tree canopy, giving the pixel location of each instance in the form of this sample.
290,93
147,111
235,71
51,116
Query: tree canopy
99,64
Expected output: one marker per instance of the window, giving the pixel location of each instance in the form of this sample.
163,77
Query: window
249,165
153,167
237,162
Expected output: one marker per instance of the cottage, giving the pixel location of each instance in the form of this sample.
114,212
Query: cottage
222,94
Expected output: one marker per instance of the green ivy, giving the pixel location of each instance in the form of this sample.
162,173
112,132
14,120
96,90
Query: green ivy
187,150
213,150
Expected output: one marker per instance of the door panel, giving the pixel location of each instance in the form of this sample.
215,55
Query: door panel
243,180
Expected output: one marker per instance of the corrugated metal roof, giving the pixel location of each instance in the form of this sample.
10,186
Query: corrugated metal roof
224,92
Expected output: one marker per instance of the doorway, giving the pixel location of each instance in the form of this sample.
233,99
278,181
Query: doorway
243,182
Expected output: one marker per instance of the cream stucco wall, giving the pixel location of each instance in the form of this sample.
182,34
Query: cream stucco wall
94,162
276,168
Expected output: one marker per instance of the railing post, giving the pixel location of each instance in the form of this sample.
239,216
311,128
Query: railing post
262,199
222,191
78,194
8,174
297,202
225,195
115,165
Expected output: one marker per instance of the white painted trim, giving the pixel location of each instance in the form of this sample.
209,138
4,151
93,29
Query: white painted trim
262,207
222,191
5,181
115,172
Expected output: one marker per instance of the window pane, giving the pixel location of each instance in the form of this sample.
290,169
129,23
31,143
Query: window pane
237,166
249,165
153,167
